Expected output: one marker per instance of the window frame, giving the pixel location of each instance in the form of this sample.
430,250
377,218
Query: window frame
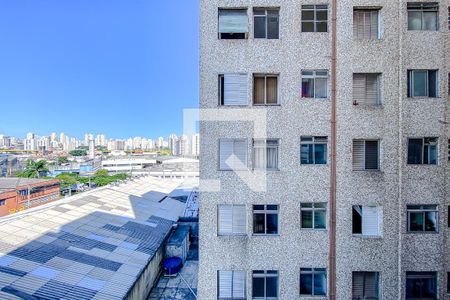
410,83
316,140
360,9
315,8
422,153
421,275
232,285
313,272
365,273
266,274
265,146
266,21
379,222
414,7
364,169
379,100
232,233
314,77
266,211
265,76
230,35
423,210
314,209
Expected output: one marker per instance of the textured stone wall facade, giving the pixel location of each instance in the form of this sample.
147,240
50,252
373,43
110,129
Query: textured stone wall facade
393,187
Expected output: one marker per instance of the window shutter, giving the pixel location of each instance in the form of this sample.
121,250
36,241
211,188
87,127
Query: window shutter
358,155
233,21
371,285
226,150
374,24
235,89
239,285
372,89
225,219
358,285
359,88
240,152
225,282
239,219
370,220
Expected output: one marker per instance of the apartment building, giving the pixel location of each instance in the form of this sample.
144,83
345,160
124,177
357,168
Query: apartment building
392,149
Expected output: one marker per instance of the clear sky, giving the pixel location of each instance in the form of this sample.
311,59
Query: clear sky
121,67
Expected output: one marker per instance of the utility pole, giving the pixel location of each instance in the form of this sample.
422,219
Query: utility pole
333,181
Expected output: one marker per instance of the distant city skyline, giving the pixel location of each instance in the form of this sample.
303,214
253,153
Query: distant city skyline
65,66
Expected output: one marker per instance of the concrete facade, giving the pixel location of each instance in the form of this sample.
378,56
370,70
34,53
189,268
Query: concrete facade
394,186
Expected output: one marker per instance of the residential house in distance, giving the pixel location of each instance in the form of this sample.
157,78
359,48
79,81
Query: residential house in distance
392,145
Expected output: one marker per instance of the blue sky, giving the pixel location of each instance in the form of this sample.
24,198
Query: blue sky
121,67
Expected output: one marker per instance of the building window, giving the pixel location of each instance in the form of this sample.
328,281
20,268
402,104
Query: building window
232,220
233,24
366,155
448,82
313,281
314,18
448,151
231,285
366,23
265,219
233,154
313,215
313,150
422,151
423,83
423,16
233,89
422,218
366,220
265,285
366,89
265,154
365,285
266,22
421,285
2,202
315,83
265,89
448,282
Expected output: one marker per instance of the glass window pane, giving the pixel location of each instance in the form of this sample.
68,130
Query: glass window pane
307,15
416,221
321,88
320,219
306,284
272,158
273,25
258,223
320,284
258,287
259,90
307,221
321,15
272,287
430,221
429,288
272,92
272,207
307,26
272,223
307,87
432,83
433,155
260,27
415,151
307,154
420,83
371,159
321,27
430,21
414,20
320,152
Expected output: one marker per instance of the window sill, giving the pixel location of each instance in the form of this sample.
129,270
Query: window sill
372,237
265,105
266,170
368,106
422,232
314,229
315,99
315,165
369,171
265,235
232,235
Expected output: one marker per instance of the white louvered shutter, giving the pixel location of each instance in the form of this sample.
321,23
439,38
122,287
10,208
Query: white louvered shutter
235,89
225,284
239,285
374,27
359,88
372,89
233,21
358,155
358,285
225,152
240,151
225,219
370,220
239,219
371,285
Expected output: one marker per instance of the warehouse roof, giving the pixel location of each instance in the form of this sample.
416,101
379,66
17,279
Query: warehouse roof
90,246
13,182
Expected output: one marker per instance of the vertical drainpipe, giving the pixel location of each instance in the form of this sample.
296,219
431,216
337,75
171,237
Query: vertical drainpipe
332,221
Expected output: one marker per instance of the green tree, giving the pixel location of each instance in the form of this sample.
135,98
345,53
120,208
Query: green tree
66,180
34,169
62,160
78,152
101,173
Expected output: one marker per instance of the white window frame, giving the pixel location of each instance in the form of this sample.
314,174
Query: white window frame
264,145
422,9
423,209
316,140
315,9
233,275
314,76
266,16
266,275
423,151
313,271
313,209
266,212
233,225
223,168
411,74
364,154
265,76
